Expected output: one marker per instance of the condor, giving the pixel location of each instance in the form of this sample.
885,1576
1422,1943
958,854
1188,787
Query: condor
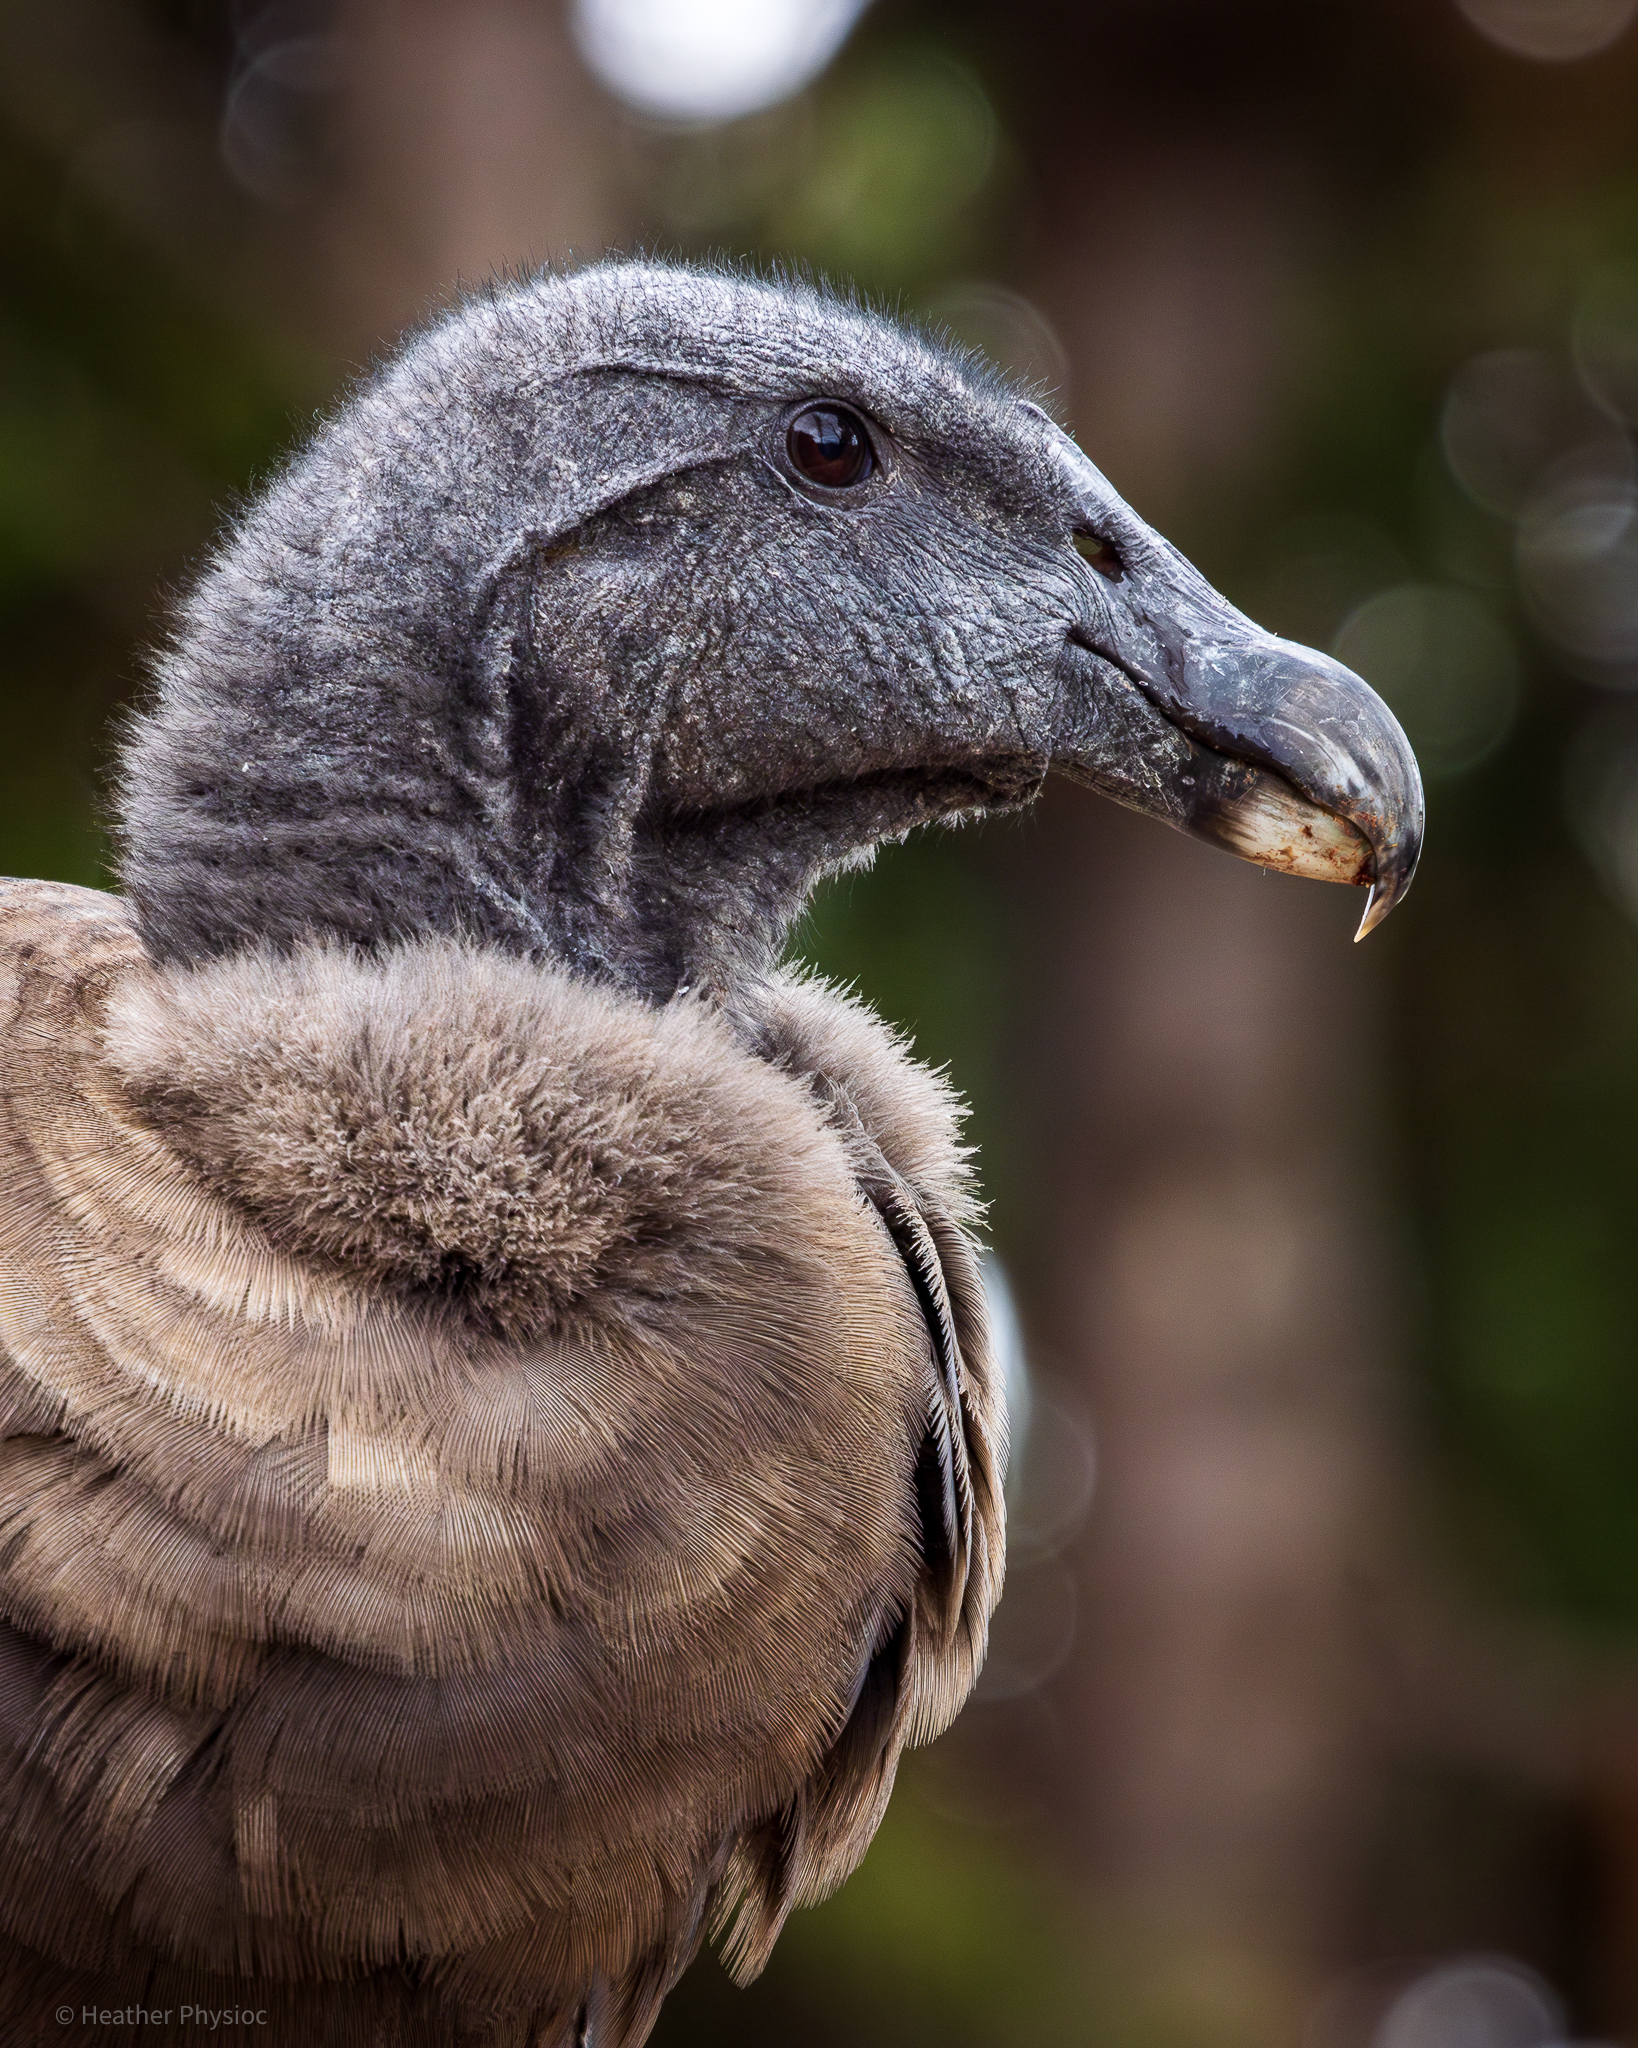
500,1447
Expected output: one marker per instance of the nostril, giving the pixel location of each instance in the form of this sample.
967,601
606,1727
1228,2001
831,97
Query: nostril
1093,548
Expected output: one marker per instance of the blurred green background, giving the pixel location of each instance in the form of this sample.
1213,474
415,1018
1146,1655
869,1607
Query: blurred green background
1323,1260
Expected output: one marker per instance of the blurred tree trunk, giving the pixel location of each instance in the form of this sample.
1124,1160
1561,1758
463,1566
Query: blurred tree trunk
472,141
1210,1263
1209,1275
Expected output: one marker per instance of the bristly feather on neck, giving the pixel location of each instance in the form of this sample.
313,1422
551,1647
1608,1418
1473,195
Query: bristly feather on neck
533,646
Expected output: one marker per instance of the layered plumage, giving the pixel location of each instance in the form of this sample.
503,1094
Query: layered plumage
499,1451
377,1581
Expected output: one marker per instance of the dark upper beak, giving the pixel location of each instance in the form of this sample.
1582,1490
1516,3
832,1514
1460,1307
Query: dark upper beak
1178,705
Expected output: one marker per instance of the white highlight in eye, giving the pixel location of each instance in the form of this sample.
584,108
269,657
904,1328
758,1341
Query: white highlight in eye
710,60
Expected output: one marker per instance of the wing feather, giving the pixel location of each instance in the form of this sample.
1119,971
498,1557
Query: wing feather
924,1654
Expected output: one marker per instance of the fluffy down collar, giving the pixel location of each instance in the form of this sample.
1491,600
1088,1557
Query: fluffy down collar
450,1122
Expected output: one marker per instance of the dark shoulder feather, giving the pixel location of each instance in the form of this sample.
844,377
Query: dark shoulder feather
900,1124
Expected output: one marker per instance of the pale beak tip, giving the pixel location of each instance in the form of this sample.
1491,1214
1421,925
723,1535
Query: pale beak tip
1382,898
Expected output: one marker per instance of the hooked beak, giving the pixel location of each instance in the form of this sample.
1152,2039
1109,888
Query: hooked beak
1178,705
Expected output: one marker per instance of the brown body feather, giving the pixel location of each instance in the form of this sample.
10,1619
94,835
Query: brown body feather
493,1474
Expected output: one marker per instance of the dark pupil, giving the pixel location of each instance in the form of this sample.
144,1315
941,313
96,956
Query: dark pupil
829,447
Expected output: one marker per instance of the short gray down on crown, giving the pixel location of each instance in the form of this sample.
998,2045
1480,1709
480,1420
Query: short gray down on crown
541,642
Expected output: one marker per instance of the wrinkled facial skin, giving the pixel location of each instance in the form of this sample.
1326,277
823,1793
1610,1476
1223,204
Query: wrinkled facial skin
831,671
548,639
918,631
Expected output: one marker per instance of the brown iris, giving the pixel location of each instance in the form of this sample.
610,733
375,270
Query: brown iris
830,447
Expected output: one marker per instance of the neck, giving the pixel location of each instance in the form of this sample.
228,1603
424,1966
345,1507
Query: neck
496,820
376,759
233,842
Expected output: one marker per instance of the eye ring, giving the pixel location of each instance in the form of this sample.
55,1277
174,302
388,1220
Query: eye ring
828,447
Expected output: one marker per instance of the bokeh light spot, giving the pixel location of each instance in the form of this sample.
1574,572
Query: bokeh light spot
1446,665
710,60
1321,567
1605,339
1601,798
1007,1348
1032,1634
1551,31
1477,2002
1508,415
269,117
1010,330
1578,566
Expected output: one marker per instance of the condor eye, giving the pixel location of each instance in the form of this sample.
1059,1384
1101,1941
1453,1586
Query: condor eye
830,446
1092,548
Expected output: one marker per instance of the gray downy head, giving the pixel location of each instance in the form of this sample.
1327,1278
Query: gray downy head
557,635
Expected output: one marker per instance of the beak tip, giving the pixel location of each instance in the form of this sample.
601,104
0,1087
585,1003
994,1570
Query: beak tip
1384,896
